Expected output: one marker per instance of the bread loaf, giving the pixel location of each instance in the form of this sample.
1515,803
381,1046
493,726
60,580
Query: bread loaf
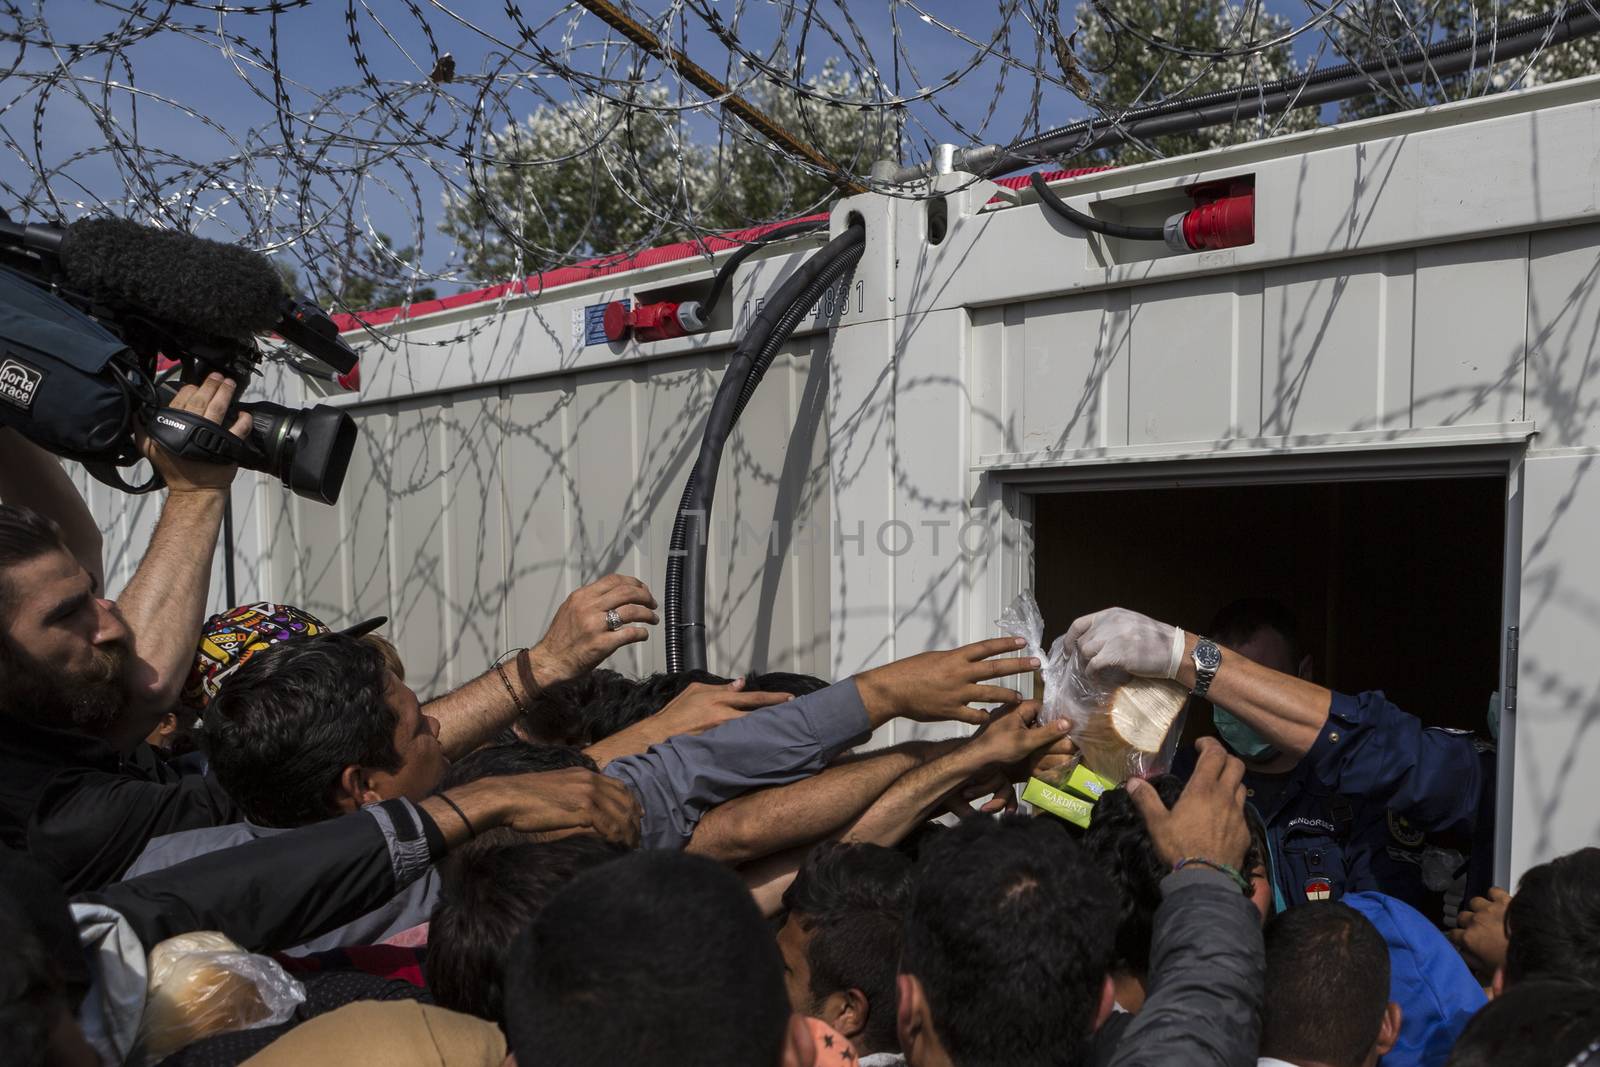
194,991
1120,739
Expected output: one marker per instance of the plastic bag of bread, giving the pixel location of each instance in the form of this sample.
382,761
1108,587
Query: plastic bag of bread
202,984
1124,727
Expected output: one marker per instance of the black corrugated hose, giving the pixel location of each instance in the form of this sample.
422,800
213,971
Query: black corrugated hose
725,273
685,593
1048,197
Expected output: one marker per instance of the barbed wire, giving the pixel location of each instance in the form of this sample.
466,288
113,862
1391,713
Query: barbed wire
389,142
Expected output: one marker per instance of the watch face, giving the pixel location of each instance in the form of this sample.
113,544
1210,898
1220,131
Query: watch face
1207,655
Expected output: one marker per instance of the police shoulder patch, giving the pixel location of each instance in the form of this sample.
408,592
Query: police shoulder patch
1403,831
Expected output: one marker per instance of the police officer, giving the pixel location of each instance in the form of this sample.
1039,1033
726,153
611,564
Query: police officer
1355,793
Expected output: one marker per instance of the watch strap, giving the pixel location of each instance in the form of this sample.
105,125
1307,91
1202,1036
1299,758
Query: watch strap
1203,674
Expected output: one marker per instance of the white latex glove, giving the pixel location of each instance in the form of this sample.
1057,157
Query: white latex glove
1125,640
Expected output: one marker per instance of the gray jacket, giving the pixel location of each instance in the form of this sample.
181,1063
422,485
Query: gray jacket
1207,980
677,782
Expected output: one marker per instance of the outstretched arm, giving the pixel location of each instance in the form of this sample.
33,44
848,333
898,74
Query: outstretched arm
1207,961
1011,738
1287,711
578,641
771,820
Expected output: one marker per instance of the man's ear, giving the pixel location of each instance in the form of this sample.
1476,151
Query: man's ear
352,789
799,1048
847,1013
1498,984
1304,669
1389,1029
1108,1003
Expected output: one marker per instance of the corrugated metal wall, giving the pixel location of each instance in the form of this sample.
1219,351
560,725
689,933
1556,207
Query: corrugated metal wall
467,517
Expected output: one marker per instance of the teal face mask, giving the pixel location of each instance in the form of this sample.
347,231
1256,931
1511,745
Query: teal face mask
1242,739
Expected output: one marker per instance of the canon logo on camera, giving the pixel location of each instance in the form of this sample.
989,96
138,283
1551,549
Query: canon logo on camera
19,383
174,423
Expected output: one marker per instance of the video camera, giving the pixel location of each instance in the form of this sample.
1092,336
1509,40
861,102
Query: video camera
102,319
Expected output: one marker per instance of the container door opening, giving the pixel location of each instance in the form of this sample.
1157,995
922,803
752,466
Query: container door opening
1396,584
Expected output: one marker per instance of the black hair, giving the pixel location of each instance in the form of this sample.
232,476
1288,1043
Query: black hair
852,900
1543,1022
1239,621
796,685
286,724
582,711
1327,985
560,713
656,958
1118,842
1553,921
488,894
512,757
24,535
1010,933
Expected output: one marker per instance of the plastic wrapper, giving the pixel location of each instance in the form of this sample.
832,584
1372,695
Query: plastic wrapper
203,984
1124,727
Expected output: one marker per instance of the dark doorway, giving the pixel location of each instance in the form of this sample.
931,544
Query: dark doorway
1397,584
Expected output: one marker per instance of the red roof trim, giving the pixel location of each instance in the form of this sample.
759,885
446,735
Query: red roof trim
577,272
1022,181
602,266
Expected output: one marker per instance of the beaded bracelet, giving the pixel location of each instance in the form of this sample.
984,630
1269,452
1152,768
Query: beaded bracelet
499,666
1201,861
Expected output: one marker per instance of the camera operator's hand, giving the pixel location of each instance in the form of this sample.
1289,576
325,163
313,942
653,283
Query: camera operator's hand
938,686
1208,819
580,636
210,400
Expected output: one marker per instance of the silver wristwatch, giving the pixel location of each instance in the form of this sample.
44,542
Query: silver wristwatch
1207,658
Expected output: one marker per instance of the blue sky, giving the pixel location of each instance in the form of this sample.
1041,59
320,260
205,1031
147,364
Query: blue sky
197,102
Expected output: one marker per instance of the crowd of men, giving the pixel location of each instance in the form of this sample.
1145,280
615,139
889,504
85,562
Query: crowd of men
243,839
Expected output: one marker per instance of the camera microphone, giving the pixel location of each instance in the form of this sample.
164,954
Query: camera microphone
79,393
216,289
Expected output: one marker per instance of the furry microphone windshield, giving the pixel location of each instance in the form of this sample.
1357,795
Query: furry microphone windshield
214,289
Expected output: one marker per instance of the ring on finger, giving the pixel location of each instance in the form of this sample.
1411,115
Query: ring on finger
613,620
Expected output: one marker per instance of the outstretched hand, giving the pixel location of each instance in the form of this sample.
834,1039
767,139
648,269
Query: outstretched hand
580,637
1014,733
939,686
1208,819
1480,932
570,799
702,706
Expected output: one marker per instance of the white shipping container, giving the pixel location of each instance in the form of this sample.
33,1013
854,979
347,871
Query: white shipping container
1386,410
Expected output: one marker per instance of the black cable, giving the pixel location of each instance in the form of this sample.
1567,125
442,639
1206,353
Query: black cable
1048,197
725,272
1189,113
684,601
1443,58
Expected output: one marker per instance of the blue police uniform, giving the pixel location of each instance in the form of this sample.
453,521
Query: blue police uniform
1379,803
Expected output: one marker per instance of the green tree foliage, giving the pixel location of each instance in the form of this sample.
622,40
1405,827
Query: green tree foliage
1124,70
376,275
591,177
